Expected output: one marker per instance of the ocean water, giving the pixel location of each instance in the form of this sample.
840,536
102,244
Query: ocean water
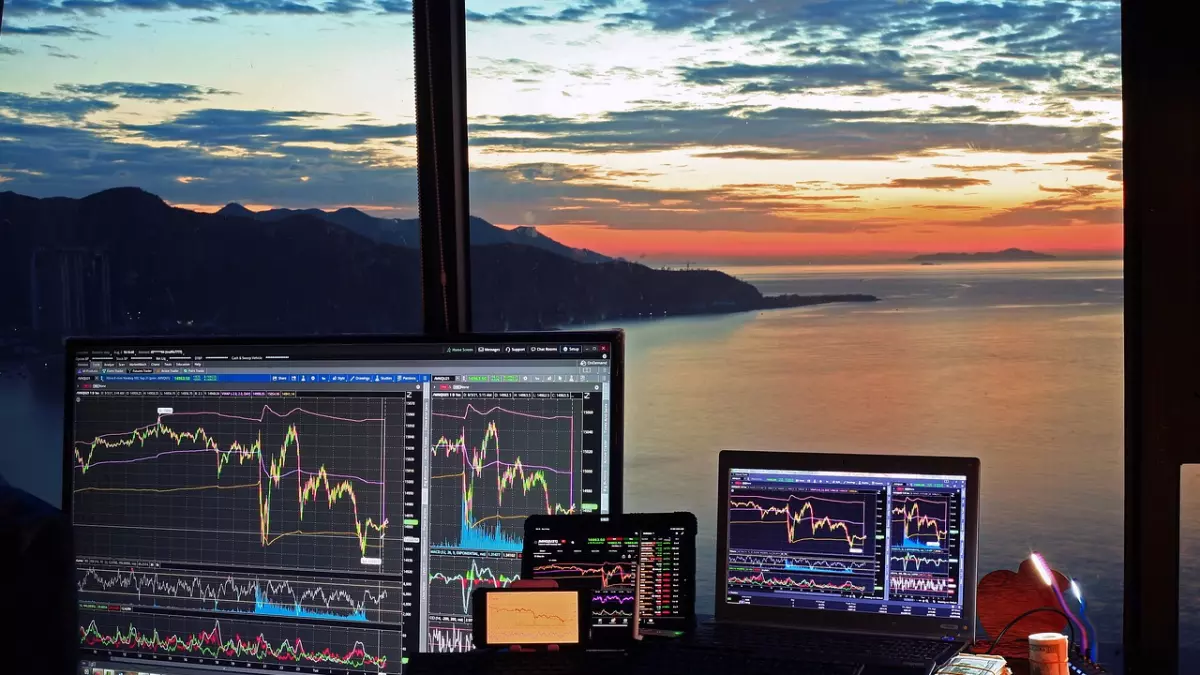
1017,364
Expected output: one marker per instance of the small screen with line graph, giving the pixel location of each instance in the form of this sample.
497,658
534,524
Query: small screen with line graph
886,543
533,618
326,507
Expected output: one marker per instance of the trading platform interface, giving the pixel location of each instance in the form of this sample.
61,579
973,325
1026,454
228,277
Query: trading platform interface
322,508
639,573
885,543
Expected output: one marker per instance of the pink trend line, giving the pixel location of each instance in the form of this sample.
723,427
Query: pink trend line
261,418
741,497
260,464
571,469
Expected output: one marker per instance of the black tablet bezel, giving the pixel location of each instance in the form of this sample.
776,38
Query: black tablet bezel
618,524
479,622
940,628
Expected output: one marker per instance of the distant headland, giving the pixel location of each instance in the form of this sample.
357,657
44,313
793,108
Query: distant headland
1007,255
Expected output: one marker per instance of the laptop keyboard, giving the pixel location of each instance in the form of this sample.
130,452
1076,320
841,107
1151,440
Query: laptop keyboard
846,646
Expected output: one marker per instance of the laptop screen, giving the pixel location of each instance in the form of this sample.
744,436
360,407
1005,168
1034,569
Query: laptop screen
884,543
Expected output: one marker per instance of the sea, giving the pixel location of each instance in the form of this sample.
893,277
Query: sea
1018,364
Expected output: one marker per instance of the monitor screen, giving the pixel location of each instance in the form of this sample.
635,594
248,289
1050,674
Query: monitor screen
327,507
887,543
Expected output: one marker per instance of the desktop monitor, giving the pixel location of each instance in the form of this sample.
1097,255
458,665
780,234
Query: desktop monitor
860,542
323,505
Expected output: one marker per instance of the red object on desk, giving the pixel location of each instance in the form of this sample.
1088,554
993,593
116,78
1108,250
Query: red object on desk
1004,595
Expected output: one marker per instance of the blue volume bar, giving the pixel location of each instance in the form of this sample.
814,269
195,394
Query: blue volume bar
264,607
299,378
484,539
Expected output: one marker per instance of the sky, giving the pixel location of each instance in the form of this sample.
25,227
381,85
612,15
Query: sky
664,129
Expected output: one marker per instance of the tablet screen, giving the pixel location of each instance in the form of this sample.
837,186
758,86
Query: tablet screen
637,565
517,617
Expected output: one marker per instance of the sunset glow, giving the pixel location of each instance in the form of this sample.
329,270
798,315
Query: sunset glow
656,128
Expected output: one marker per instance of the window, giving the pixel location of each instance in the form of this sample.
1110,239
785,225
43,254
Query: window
158,167
882,227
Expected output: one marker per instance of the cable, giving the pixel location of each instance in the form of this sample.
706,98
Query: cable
1012,623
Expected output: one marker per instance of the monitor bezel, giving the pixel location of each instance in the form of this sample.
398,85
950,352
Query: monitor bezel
934,627
614,337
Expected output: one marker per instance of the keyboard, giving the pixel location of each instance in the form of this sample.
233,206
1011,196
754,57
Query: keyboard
819,645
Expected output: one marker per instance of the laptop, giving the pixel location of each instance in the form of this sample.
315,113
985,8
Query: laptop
869,559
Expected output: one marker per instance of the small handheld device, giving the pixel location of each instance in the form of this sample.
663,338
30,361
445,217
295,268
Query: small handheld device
531,618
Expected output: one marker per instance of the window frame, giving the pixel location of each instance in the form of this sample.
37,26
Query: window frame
1162,280
1162,308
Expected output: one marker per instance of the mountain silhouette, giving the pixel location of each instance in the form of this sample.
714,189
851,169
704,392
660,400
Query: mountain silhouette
1008,254
140,266
406,232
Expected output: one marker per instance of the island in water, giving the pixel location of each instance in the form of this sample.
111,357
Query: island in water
1007,255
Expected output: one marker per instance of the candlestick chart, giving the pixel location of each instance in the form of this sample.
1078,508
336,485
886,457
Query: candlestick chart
923,553
803,523
496,460
296,484
920,522
607,576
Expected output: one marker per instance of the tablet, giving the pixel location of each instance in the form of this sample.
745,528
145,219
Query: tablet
531,617
639,567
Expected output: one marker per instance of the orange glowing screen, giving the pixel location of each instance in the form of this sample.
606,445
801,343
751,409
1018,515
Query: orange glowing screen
527,618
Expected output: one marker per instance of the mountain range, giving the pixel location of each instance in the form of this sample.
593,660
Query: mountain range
123,261
406,232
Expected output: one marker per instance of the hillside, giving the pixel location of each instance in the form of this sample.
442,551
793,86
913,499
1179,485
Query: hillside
406,232
171,270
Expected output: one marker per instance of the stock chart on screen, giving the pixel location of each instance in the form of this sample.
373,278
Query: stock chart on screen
328,508
887,543
636,566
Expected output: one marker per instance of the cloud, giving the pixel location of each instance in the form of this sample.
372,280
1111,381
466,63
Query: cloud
69,108
931,183
5,50
1086,91
1079,190
205,19
1074,205
394,6
263,130
253,7
57,53
49,31
147,91
798,133
782,79
971,168
1106,161
523,16
45,160
1015,70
